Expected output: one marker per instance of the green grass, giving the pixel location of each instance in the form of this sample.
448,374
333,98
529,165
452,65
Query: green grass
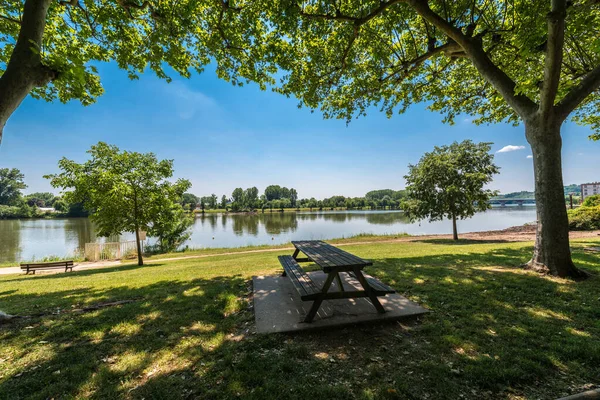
495,331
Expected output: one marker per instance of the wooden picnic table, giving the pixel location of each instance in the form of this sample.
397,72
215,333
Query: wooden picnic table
332,261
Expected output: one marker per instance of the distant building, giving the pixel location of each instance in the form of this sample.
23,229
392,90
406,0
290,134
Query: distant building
589,189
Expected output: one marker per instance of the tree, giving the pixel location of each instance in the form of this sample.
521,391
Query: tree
449,183
273,192
212,203
190,200
535,63
40,199
293,196
125,191
171,227
50,49
251,197
223,202
11,184
238,197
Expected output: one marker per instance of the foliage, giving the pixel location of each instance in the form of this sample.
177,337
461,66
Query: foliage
585,218
10,212
484,59
11,184
189,201
515,195
495,332
40,199
181,37
450,182
573,189
171,228
592,201
125,191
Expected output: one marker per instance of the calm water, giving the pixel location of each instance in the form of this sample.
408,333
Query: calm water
27,239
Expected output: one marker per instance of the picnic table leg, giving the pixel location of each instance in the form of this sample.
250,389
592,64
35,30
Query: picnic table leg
317,303
295,255
339,281
363,282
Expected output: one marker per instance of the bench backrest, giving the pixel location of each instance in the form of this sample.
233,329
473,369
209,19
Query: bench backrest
53,264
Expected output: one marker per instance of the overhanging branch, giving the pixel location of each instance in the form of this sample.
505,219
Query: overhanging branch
472,46
6,18
406,67
589,84
383,5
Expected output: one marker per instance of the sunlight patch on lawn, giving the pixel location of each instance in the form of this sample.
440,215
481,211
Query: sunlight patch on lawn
196,291
546,314
577,332
126,329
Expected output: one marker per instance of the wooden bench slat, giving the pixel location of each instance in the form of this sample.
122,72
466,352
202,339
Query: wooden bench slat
379,287
299,278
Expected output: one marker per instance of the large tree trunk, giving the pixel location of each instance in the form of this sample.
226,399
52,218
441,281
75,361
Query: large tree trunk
25,70
552,253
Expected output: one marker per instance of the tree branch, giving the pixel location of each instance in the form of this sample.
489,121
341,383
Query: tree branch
472,46
4,17
554,55
589,84
383,5
450,47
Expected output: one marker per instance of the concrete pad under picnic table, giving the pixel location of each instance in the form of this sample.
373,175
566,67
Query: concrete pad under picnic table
278,307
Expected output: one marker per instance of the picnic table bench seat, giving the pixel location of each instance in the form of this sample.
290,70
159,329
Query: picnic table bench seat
380,288
299,278
34,266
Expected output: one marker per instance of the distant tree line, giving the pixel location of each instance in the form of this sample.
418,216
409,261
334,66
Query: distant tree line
15,204
279,198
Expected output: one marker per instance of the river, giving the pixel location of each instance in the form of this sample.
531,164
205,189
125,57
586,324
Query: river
29,239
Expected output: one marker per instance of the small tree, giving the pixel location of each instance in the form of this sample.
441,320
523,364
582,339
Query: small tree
449,183
11,184
171,227
125,191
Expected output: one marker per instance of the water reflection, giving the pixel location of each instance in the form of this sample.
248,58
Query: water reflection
10,240
25,239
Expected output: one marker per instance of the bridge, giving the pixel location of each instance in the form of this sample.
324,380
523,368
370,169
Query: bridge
519,202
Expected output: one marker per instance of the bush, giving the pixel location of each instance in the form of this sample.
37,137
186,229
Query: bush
584,218
22,211
9,212
592,201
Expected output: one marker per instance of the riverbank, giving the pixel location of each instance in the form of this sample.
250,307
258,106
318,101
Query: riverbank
185,327
524,233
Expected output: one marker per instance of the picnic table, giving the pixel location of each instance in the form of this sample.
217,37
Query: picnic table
332,261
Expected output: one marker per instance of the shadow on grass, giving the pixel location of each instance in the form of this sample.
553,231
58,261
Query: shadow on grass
494,331
461,242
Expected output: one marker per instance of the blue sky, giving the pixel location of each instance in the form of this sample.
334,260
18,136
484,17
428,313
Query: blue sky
222,137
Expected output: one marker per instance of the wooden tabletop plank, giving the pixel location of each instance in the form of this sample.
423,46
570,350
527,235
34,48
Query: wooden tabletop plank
328,256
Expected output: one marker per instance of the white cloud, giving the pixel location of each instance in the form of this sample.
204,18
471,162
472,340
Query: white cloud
530,156
509,148
189,102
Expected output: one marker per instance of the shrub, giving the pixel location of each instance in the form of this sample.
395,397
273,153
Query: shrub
9,212
592,201
584,218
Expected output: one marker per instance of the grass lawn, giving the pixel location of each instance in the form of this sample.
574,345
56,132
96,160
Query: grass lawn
495,331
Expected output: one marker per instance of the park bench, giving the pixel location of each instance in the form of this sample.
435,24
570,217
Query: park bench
332,261
33,266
